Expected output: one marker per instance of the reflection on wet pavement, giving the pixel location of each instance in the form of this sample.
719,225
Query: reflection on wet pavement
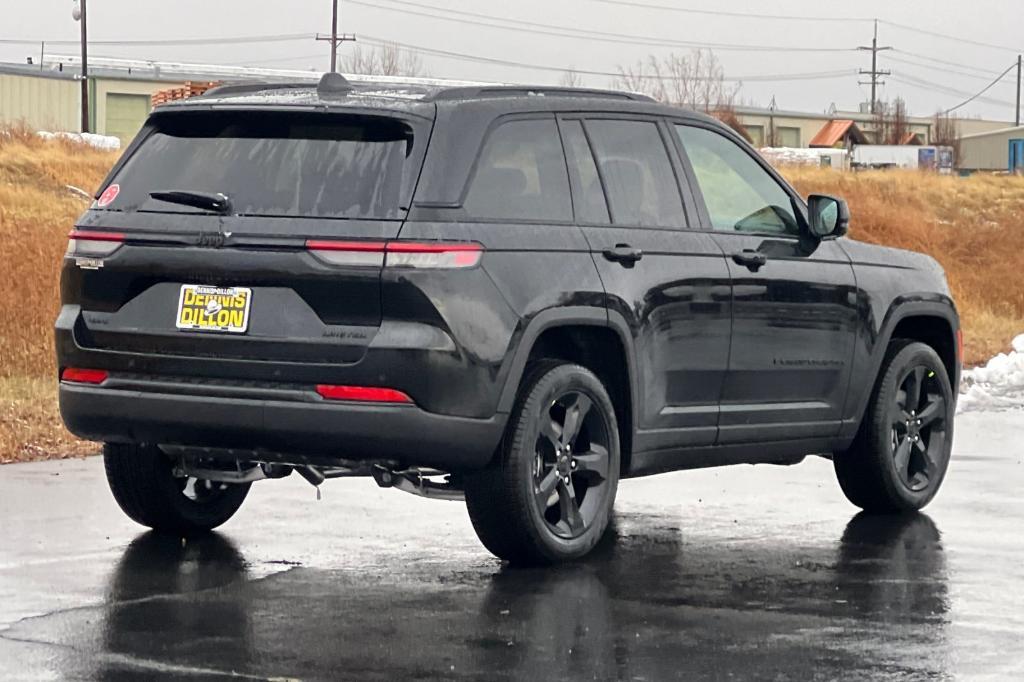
746,573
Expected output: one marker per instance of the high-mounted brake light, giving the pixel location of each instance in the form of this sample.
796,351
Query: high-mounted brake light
397,254
88,244
84,376
364,394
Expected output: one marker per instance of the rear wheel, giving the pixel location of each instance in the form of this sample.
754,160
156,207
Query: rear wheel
146,488
900,456
548,495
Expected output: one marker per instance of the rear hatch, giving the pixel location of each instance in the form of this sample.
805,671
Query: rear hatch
246,234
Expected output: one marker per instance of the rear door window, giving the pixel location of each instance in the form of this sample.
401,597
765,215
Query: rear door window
521,175
637,172
275,164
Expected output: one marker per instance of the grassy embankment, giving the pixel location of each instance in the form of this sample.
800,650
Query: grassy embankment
973,226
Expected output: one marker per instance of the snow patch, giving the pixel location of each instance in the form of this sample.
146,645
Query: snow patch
999,385
106,142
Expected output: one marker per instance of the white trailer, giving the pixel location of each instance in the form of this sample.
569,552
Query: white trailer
928,157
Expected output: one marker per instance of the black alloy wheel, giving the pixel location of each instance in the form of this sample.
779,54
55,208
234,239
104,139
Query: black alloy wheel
918,427
548,494
901,453
571,462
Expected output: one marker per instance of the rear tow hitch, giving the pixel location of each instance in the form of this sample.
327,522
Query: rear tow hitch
419,482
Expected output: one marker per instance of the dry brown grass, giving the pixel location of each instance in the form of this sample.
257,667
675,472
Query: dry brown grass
36,212
971,225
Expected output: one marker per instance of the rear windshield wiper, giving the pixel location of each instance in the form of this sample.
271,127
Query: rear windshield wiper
208,201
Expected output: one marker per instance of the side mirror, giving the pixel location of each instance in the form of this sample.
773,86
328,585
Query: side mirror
828,216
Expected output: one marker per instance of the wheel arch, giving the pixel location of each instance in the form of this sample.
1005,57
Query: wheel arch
593,338
934,323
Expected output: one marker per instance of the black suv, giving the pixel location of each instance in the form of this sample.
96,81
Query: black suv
517,296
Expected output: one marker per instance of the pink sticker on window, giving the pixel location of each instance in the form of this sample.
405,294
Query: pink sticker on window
108,196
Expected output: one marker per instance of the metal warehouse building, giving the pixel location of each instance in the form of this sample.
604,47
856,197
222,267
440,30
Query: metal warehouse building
47,96
999,150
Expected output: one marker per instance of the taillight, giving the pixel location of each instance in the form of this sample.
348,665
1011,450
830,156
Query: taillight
436,255
365,394
347,253
88,244
84,376
433,255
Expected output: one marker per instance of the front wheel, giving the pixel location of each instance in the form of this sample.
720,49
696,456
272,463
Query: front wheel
900,456
548,495
144,484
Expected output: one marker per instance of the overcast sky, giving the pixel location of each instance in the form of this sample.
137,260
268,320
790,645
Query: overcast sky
927,83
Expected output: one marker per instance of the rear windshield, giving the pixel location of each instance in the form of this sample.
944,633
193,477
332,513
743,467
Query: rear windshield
273,164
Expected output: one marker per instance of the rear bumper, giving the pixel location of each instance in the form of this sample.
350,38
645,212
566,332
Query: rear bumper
320,431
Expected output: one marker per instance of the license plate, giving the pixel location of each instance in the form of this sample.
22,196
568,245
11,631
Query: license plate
214,309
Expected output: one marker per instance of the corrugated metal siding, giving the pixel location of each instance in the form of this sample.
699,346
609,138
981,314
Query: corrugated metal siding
988,152
125,115
42,103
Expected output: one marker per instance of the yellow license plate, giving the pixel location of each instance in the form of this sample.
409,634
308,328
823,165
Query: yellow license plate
214,309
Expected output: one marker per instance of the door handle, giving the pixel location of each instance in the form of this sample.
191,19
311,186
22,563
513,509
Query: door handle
624,254
753,260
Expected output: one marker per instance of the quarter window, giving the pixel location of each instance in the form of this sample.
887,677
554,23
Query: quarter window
521,175
637,172
740,195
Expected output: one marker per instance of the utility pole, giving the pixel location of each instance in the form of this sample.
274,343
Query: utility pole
335,38
1020,59
874,72
78,13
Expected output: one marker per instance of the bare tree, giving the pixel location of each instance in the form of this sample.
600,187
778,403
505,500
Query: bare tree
695,80
570,79
946,133
382,60
892,124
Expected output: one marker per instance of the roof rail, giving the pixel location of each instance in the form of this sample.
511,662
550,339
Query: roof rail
474,92
249,87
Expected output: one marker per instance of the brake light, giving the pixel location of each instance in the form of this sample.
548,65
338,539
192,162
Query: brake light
397,254
366,394
88,244
84,376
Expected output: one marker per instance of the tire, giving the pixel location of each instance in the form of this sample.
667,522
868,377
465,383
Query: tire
143,483
521,506
886,470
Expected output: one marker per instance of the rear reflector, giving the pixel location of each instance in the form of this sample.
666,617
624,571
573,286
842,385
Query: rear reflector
366,394
433,255
438,255
88,244
84,376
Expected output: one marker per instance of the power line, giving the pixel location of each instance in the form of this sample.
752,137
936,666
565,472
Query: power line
946,36
943,69
981,92
734,15
535,28
229,40
381,42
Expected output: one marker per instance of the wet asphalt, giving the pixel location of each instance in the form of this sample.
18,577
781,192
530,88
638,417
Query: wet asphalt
734,573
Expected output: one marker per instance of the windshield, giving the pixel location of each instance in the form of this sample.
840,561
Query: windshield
272,164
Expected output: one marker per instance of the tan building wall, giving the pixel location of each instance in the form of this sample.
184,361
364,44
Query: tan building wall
41,103
104,87
990,151
805,128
